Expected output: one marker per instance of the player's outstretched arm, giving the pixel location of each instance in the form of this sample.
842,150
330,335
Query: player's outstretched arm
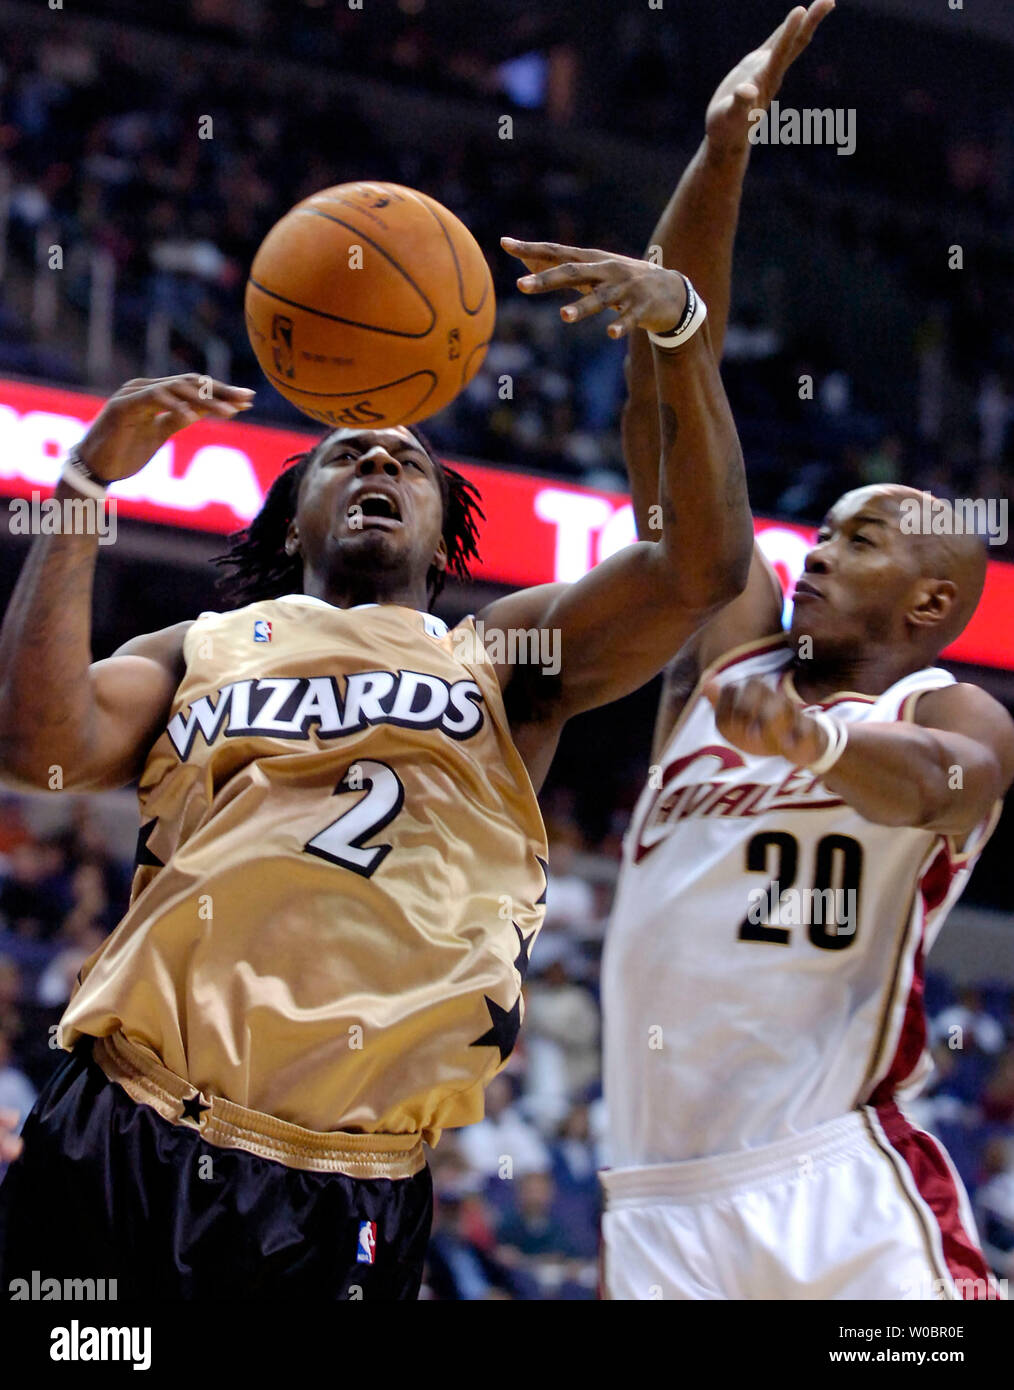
697,230
944,772
619,625
64,721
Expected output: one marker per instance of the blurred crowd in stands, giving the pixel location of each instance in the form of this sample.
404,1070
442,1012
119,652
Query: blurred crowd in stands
517,1202
914,383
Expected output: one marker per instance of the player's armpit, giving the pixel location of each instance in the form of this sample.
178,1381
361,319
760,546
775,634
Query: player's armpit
132,692
754,615
612,630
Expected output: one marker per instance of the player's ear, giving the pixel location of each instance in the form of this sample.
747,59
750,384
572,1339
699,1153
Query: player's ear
292,539
439,560
934,602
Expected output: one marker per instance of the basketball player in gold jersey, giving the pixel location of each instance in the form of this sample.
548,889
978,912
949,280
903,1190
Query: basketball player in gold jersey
341,862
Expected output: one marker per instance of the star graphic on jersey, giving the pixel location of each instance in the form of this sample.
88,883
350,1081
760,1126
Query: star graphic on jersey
506,1025
143,855
192,1108
521,959
544,866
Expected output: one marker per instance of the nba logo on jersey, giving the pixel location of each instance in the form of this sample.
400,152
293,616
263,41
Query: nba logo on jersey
367,1251
262,630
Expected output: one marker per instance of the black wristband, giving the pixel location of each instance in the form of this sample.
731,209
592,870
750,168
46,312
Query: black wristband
75,462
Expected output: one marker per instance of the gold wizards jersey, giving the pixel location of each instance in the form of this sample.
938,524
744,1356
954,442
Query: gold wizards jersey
341,870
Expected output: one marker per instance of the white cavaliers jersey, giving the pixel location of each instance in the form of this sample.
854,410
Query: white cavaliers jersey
736,1012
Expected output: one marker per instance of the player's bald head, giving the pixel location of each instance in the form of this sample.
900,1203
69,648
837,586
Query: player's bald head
946,552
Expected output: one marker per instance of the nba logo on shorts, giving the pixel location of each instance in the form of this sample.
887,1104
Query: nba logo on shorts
367,1251
262,630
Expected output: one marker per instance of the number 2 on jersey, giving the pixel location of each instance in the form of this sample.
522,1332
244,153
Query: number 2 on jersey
343,842
837,856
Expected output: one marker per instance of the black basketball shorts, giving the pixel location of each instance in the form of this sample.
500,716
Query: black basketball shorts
106,1188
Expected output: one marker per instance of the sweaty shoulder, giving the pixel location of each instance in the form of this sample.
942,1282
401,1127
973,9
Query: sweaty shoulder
969,710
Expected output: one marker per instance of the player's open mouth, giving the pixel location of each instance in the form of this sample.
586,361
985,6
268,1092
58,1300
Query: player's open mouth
374,508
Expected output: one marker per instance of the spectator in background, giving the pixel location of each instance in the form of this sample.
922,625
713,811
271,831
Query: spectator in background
884,463
570,899
33,896
994,1206
504,1133
562,1038
17,1094
10,1144
458,1268
533,1229
576,1162
967,1026
998,1095
946,1101
84,935
534,1236
10,994
13,830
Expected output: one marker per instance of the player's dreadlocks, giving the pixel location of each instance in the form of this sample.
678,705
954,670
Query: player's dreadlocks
260,568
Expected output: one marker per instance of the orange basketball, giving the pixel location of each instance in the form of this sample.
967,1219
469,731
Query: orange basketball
370,304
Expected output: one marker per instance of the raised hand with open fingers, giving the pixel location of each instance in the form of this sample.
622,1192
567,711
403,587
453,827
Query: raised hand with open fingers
755,81
644,295
138,419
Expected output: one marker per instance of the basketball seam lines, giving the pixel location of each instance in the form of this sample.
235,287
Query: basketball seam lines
457,265
337,318
360,391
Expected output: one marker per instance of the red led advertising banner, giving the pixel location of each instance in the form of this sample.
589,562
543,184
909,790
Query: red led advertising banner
213,477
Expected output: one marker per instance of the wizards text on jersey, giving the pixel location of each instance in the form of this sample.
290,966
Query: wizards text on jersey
289,706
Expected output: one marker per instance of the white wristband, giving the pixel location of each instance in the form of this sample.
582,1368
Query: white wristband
837,737
79,476
694,315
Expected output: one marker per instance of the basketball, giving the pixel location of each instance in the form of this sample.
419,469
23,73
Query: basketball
370,304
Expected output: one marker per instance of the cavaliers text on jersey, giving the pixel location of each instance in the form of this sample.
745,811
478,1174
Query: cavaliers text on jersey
763,970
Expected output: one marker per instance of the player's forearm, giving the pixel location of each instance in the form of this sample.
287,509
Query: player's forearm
706,533
696,233
901,774
45,653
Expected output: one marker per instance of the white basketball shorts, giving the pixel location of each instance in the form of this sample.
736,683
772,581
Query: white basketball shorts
864,1207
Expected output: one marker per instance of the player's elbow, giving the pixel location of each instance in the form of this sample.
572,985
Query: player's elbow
957,797
710,590
18,769
738,569
24,774
28,763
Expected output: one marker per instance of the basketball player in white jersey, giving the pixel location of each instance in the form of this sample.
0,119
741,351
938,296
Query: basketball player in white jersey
316,974
817,801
